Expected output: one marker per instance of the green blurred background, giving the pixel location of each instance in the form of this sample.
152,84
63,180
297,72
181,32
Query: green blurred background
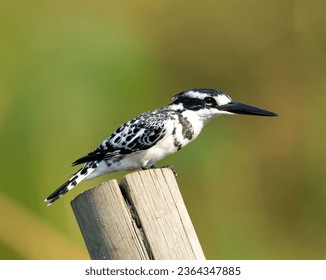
72,71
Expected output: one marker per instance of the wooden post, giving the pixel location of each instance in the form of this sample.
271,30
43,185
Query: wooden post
145,218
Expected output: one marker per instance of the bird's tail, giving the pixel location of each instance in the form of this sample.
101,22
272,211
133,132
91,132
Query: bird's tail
79,176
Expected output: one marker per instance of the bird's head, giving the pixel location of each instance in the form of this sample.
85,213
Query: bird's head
211,102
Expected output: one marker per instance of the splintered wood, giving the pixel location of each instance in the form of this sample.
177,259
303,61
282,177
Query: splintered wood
145,218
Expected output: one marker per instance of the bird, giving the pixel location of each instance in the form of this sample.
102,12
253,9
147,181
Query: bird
148,138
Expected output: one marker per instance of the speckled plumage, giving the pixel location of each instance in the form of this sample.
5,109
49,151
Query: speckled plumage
148,138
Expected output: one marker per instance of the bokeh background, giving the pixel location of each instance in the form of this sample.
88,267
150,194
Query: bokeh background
72,71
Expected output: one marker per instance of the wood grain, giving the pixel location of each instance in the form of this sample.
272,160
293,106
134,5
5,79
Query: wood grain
163,215
144,218
106,224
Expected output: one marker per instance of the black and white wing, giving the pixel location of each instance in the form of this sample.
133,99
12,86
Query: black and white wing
138,134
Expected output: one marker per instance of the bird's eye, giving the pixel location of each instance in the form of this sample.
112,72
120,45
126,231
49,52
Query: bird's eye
210,101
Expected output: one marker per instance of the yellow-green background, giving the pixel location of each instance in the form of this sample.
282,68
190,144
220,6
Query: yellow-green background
72,71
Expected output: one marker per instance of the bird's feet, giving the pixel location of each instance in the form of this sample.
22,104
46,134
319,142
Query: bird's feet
169,166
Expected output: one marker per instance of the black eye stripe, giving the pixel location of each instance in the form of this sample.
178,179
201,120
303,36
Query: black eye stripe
190,103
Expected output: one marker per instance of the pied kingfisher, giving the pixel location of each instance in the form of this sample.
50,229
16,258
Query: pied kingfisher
150,137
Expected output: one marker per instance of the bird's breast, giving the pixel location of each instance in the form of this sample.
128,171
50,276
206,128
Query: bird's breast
180,131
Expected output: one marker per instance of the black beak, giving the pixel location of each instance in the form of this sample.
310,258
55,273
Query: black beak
243,109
